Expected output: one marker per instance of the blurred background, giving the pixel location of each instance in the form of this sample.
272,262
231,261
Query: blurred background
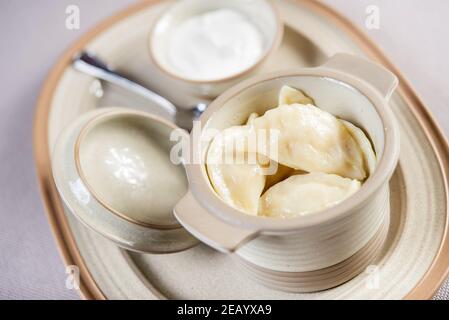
413,33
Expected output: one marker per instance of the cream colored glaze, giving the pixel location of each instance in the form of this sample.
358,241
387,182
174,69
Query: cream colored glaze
126,161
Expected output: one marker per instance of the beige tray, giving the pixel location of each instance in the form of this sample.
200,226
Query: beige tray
415,259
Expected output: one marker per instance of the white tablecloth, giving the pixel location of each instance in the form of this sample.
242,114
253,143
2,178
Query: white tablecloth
414,34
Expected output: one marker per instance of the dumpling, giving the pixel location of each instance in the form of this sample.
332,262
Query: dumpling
238,185
235,176
251,117
311,140
289,95
364,143
304,194
320,160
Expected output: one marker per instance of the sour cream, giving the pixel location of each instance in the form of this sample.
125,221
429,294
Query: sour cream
214,45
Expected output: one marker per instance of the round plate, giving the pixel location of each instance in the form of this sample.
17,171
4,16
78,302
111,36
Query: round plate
413,263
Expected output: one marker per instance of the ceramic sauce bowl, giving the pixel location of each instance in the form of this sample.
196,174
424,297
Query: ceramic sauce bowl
113,170
320,250
261,13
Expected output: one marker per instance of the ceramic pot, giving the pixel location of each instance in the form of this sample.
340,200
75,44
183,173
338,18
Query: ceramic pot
113,171
334,244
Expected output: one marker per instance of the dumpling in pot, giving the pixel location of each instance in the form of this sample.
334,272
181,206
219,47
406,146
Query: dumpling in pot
365,145
304,194
251,117
311,140
235,175
289,95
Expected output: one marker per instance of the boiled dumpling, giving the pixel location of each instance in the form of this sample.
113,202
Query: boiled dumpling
238,185
289,95
312,140
251,117
303,194
365,145
320,160
281,172
235,176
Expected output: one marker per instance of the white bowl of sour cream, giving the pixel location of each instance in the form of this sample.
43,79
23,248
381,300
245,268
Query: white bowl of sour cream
209,45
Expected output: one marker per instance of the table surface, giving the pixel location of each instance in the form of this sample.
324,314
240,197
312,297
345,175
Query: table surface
413,33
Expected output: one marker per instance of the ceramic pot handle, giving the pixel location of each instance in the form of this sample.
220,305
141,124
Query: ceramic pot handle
374,74
208,228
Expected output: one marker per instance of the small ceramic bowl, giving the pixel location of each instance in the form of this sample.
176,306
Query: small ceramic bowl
262,13
112,168
319,250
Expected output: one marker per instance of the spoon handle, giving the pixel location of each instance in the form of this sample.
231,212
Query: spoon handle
91,65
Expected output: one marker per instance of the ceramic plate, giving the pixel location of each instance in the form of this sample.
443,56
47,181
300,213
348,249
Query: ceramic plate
415,259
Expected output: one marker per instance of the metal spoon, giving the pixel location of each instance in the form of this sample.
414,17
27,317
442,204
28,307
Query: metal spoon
93,66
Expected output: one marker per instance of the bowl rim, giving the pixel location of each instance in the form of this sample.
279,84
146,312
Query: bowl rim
91,124
207,198
264,57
